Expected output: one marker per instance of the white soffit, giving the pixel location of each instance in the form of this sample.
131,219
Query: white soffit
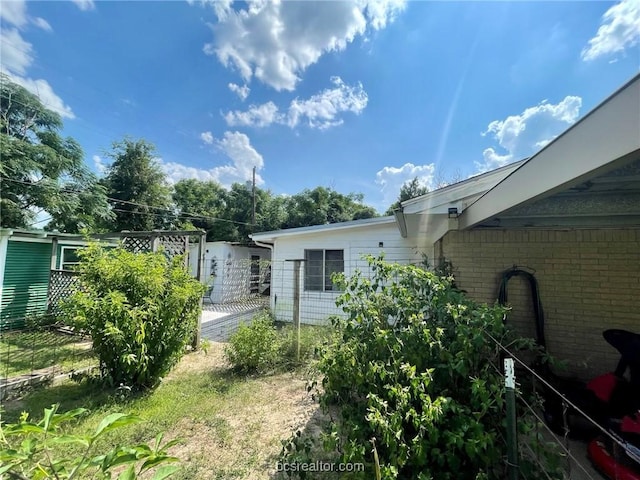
609,132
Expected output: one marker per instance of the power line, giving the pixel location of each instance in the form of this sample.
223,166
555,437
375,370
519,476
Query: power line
188,215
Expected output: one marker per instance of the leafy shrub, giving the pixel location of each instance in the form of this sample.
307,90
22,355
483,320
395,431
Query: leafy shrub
262,346
413,374
311,337
140,310
28,450
255,348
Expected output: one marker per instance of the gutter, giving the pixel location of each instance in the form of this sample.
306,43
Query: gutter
401,221
265,245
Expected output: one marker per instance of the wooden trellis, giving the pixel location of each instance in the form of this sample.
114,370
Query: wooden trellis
62,283
138,244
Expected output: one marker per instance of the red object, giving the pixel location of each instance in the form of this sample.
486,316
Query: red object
603,386
604,462
631,424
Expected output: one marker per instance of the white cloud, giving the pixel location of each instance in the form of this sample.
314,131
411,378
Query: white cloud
206,137
277,41
48,97
522,135
85,5
257,116
42,23
235,146
391,179
98,162
16,53
241,91
16,56
15,12
321,110
619,30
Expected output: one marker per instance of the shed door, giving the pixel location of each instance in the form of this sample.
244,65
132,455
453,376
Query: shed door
26,281
255,274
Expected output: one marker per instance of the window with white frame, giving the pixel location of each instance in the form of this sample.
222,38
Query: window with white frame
319,266
69,258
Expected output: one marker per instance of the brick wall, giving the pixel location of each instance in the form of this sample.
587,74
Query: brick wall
589,281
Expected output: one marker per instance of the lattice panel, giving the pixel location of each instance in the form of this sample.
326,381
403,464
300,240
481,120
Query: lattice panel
174,245
62,284
137,244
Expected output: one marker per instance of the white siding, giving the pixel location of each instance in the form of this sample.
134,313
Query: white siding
232,270
315,306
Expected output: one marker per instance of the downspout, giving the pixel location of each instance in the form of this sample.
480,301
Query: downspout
401,221
274,297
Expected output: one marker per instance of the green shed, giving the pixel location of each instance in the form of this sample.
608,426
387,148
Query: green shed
26,260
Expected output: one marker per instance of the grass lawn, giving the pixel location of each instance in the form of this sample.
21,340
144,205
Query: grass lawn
231,426
24,351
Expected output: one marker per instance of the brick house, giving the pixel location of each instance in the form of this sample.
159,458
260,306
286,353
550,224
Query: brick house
570,213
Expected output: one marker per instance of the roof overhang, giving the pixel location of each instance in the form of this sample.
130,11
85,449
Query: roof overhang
605,140
459,194
270,237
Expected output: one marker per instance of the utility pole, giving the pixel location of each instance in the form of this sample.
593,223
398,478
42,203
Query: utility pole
253,201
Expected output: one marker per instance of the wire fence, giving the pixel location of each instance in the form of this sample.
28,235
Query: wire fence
576,445
39,354
302,289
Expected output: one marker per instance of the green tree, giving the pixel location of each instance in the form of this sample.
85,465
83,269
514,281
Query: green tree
324,205
40,170
200,203
409,190
141,198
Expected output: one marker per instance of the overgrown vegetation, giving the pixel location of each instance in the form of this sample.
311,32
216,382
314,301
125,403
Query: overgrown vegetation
230,425
413,378
140,310
28,450
263,347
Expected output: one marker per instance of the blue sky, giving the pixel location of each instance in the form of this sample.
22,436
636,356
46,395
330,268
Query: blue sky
358,96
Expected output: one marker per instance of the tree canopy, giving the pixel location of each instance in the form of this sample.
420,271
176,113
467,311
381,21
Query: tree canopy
409,190
137,188
40,170
227,214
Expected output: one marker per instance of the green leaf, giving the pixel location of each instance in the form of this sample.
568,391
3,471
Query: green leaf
61,439
165,472
113,421
157,460
121,460
23,428
128,474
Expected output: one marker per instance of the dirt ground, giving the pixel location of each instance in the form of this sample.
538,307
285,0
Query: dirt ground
243,438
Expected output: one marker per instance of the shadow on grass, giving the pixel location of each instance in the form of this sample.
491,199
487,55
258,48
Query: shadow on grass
25,351
305,450
69,395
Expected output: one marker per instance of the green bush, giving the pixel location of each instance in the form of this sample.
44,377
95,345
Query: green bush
311,337
29,450
141,311
255,348
263,347
413,374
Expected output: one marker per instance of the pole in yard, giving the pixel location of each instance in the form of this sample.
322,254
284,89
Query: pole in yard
512,432
296,304
253,201
200,275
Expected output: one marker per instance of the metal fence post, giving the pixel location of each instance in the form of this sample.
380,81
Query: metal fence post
512,432
296,304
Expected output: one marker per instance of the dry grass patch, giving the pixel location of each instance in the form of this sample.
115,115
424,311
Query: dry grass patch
232,427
